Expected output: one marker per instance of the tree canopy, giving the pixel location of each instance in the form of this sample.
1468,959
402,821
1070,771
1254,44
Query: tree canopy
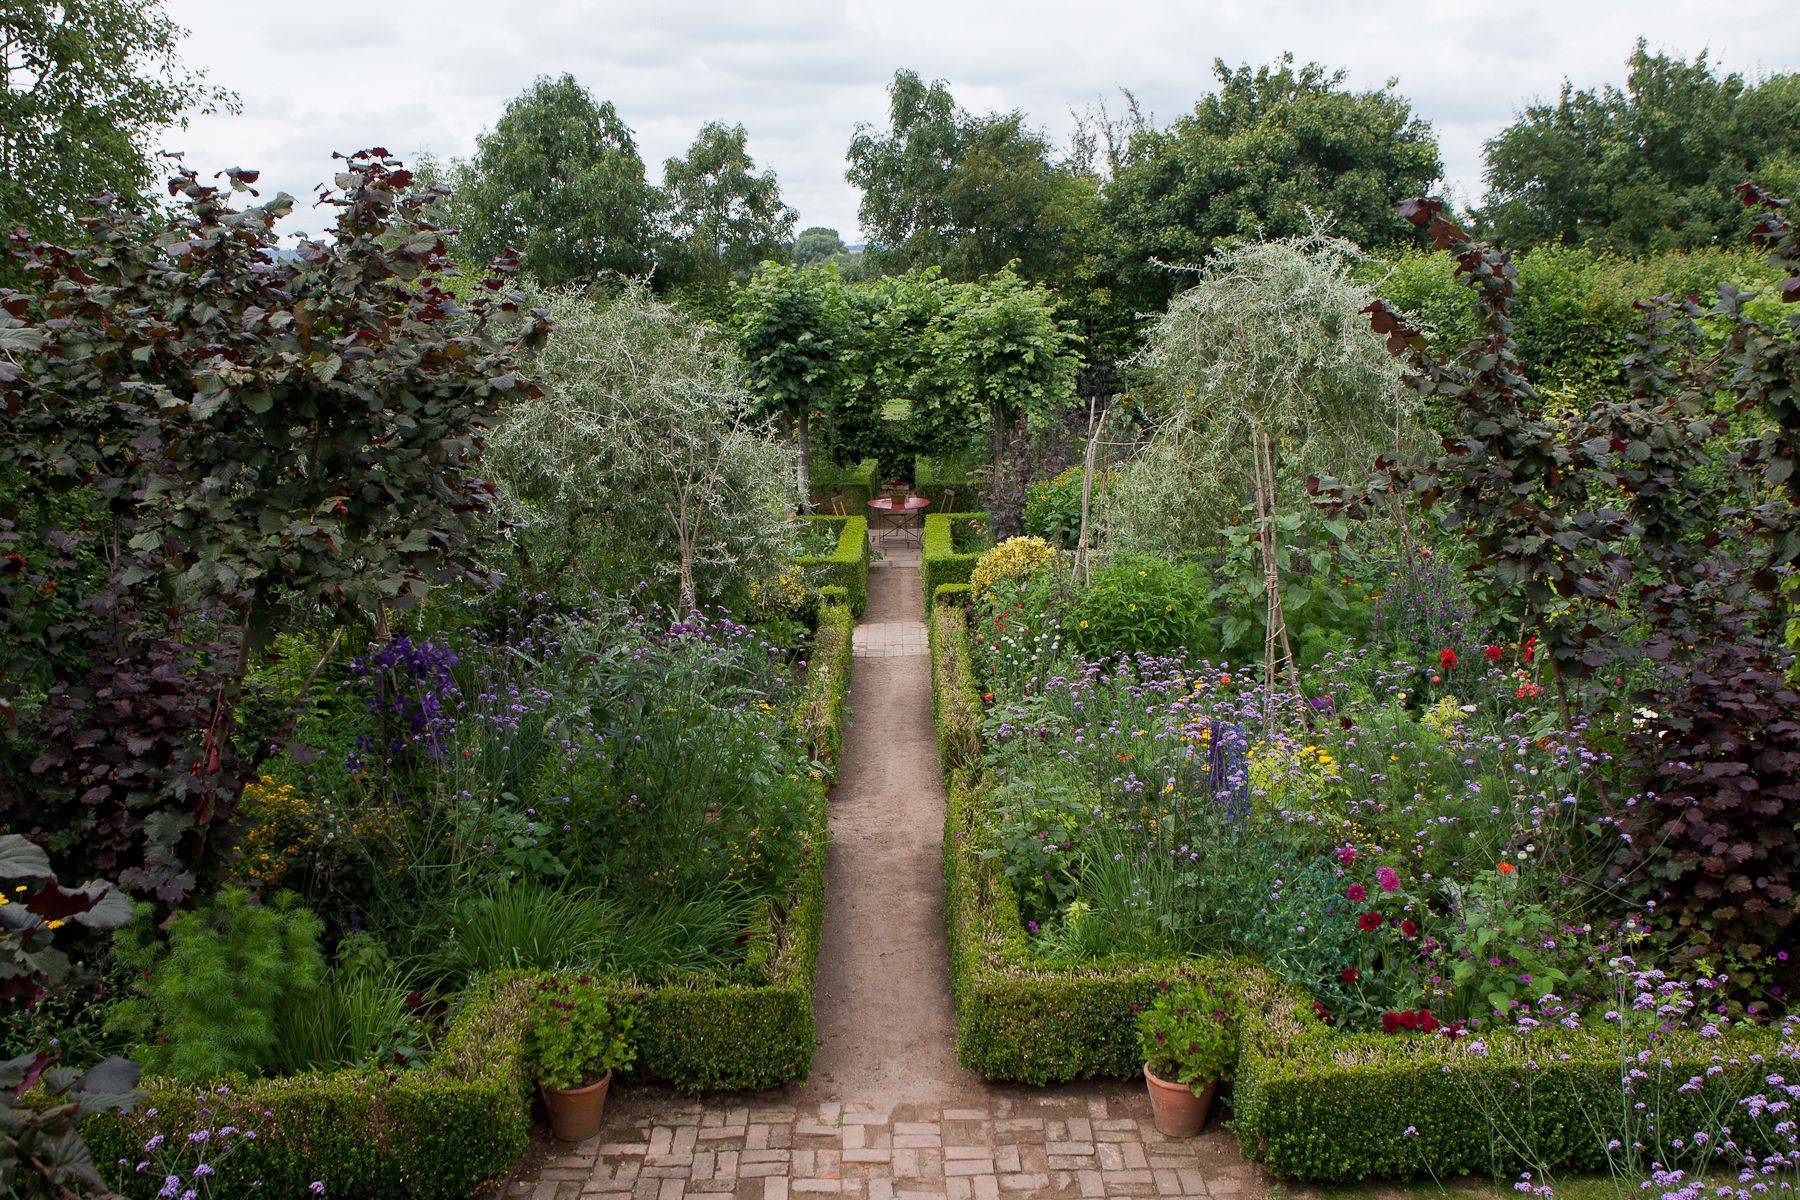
1648,167
85,87
817,244
944,187
723,215
559,180
1258,158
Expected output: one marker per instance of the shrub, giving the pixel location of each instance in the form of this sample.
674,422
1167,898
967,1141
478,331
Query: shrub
956,696
575,1034
1015,558
1053,507
847,566
956,594
1188,1034
820,715
212,1004
951,548
1137,603
854,485
942,481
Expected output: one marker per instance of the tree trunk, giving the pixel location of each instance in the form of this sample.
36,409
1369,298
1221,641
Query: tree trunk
1087,492
684,539
804,469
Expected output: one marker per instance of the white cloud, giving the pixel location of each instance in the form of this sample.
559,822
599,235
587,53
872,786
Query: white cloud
799,74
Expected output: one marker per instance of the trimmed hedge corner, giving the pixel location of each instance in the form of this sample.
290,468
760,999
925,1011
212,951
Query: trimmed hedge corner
953,543
1308,1101
957,595
847,566
820,715
855,484
438,1133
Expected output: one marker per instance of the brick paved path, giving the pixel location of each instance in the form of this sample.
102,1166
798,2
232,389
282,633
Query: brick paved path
887,1111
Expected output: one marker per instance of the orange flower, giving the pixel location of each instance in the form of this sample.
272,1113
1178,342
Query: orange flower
1507,868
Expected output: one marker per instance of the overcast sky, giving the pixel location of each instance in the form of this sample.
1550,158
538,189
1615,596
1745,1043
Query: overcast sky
328,75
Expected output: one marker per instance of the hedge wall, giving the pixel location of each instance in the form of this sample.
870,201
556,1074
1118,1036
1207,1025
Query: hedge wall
1308,1101
943,483
854,484
847,566
953,542
441,1132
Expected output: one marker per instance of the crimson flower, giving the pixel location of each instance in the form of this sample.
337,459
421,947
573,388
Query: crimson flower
1370,921
1409,927
1356,893
1350,974
1494,653
1448,658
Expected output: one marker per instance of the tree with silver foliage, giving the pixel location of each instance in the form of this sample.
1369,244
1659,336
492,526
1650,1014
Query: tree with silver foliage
640,459
1262,373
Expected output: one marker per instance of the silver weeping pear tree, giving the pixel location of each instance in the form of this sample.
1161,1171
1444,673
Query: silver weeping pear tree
1261,373
641,455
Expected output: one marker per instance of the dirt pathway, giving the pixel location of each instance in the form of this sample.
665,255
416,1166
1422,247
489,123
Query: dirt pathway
887,1112
886,1025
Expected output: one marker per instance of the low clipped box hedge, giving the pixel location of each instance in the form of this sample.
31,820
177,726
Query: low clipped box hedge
957,595
438,1133
1308,1101
853,485
953,543
847,566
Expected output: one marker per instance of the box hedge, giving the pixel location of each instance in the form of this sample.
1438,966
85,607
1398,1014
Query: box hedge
443,1131
854,485
943,482
1308,1101
848,565
953,542
437,1133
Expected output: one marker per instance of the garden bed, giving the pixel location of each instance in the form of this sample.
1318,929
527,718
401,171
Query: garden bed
1309,1101
847,566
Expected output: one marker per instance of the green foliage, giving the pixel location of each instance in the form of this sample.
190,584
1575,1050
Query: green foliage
212,1003
855,485
847,566
1137,603
953,543
1264,156
576,1034
819,717
793,333
722,215
943,187
86,89
638,461
1013,559
955,693
362,1014
1646,168
817,245
943,480
1053,507
954,594
559,180
433,1134
1188,1034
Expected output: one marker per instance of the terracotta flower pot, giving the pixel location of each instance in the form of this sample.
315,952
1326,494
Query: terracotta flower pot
1179,1112
575,1112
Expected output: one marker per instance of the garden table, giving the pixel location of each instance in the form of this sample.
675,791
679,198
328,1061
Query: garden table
893,514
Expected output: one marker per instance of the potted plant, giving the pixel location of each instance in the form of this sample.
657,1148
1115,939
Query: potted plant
1189,1040
575,1038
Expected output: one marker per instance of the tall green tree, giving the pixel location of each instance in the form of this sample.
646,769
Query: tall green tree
944,187
723,215
85,87
559,180
1257,156
1647,167
817,244
794,334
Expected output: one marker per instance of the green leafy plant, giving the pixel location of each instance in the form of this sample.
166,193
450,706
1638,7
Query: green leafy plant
1188,1034
576,1033
1138,603
213,1002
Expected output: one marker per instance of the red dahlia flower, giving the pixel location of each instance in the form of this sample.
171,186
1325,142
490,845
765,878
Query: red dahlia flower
1370,921
1448,658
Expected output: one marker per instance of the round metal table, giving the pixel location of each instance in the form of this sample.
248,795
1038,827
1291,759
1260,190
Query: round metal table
893,514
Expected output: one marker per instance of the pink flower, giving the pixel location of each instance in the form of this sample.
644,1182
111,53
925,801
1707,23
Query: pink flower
1356,893
1346,854
1387,879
